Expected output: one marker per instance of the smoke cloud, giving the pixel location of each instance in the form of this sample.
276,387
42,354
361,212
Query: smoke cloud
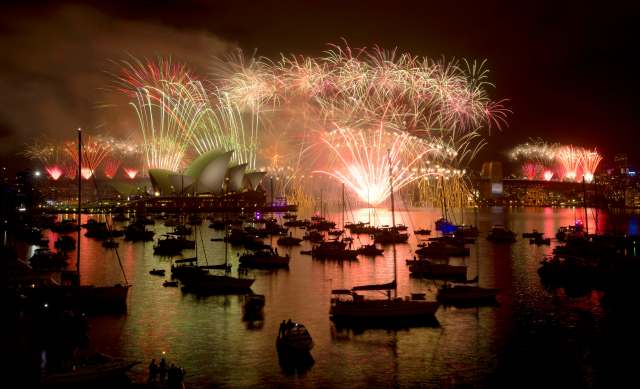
54,70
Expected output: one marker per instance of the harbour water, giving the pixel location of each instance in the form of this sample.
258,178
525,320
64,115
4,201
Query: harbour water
533,337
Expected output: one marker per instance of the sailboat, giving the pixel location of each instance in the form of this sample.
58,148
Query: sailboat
198,279
359,308
87,297
467,295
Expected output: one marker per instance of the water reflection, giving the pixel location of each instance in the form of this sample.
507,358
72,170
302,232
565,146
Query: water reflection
217,345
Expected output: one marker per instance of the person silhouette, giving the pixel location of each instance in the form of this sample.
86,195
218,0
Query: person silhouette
153,371
162,369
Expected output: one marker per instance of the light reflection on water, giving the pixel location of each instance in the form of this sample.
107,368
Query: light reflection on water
208,337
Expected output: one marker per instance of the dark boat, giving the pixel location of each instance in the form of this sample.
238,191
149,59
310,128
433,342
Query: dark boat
428,269
333,250
465,295
197,279
533,234
65,243
499,234
110,243
294,339
170,284
289,241
369,250
253,304
137,232
540,241
389,236
157,272
422,231
264,259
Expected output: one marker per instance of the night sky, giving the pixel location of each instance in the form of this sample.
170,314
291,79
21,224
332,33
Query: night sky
569,69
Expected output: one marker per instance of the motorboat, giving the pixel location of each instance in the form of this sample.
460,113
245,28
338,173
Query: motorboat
157,272
500,234
294,338
370,250
428,269
465,295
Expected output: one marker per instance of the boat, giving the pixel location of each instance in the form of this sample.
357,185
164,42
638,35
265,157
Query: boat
464,295
110,243
370,250
533,234
313,236
170,284
90,297
172,245
197,279
500,234
289,241
389,235
137,232
264,259
333,250
157,272
194,220
98,369
293,338
422,231
357,308
253,304
445,226
540,241
45,259
442,249
428,269
65,243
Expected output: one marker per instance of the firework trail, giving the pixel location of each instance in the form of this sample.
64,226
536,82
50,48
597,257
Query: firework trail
167,123
94,152
589,162
51,155
110,167
570,158
363,159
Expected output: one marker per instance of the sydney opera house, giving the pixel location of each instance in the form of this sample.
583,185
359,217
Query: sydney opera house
211,182
210,173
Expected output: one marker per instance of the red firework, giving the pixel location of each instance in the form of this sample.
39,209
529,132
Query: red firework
54,171
111,167
131,172
530,170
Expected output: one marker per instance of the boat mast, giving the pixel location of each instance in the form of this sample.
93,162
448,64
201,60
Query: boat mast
393,229
343,206
584,200
79,212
